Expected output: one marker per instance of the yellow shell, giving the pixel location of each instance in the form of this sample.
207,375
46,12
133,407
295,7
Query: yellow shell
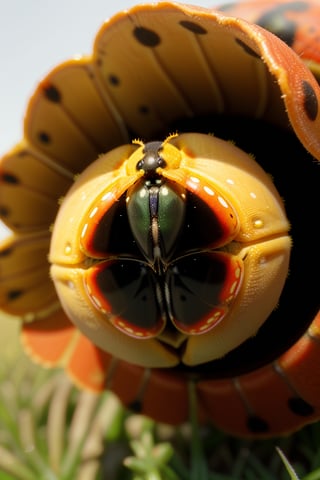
260,242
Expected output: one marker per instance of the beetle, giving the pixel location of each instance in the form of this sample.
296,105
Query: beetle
187,272
170,257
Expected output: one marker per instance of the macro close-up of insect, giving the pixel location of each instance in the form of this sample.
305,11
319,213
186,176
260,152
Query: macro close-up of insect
163,207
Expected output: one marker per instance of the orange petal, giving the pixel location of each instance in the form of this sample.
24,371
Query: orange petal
49,341
25,287
89,365
31,185
56,341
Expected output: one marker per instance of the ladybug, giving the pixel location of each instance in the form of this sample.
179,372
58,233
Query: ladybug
162,205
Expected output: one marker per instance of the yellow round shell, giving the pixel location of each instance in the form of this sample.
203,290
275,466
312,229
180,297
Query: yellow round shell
261,243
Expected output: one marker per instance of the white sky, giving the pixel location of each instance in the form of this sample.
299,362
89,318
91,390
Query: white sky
36,35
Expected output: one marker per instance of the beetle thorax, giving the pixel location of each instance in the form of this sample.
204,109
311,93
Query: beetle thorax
156,209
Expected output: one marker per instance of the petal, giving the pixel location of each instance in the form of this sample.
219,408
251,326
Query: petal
25,286
55,341
30,187
163,84
49,341
70,119
89,366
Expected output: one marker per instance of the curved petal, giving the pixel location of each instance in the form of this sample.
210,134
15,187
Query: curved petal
281,18
71,119
49,341
55,341
30,187
163,84
25,286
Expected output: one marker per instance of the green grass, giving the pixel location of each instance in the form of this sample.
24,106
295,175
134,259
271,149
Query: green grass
51,431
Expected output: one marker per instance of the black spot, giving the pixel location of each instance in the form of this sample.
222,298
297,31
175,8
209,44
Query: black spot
300,407
9,178
14,294
193,27
4,211
114,80
135,406
144,109
275,21
44,137
52,94
146,37
247,49
6,252
310,101
257,425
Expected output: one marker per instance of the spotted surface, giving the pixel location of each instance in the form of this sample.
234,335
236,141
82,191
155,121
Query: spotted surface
163,90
